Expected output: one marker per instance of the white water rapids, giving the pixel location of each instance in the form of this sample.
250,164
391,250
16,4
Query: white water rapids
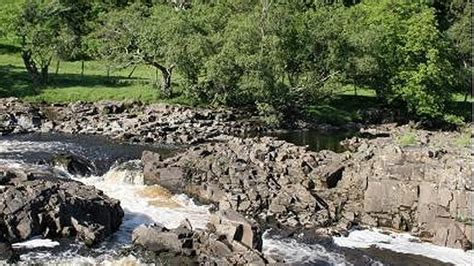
152,204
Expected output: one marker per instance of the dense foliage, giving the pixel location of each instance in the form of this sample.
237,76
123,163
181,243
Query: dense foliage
276,56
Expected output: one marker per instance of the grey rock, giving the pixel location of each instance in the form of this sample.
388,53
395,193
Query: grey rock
74,164
56,208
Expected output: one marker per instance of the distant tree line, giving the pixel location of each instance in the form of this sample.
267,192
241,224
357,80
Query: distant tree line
270,54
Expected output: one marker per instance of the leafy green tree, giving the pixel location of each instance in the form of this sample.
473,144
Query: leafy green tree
161,37
243,67
7,19
37,28
77,19
460,37
402,55
275,53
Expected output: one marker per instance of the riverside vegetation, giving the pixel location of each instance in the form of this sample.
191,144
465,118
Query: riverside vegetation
321,60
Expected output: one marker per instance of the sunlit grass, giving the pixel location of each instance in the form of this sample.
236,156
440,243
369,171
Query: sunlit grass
407,139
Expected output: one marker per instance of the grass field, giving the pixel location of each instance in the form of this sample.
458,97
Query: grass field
67,83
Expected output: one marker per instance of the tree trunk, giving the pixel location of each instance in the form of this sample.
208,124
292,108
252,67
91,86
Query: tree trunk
31,68
57,66
166,73
133,70
166,85
82,69
44,74
466,95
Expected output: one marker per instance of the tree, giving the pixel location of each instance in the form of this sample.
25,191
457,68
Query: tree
161,37
7,19
403,56
459,34
77,19
38,27
316,54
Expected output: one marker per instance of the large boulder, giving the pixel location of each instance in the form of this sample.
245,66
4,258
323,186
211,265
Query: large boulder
154,173
7,123
208,246
18,117
32,206
74,164
158,239
236,228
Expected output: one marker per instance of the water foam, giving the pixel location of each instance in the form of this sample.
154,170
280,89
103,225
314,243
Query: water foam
404,243
36,243
17,146
140,210
293,252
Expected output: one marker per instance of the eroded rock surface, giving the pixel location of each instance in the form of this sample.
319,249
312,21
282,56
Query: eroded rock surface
50,207
269,180
134,122
227,240
424,188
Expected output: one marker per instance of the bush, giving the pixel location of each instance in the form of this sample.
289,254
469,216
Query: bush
269,115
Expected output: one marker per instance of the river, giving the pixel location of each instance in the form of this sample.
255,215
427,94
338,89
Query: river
148,204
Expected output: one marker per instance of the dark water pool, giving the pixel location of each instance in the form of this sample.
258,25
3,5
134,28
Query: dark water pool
314,139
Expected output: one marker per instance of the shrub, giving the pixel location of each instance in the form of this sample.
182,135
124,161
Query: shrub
269,115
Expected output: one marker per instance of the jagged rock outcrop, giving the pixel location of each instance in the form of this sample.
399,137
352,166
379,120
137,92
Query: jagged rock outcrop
74,164
270,180
424,188
227,240
6,251
50,207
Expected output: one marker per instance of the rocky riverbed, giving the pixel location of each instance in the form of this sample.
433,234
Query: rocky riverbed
421,186
134,122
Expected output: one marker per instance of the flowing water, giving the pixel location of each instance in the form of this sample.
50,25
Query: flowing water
148,204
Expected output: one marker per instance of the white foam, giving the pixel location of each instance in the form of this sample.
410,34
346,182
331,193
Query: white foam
36,243
293,252
138,209
404,243
17,146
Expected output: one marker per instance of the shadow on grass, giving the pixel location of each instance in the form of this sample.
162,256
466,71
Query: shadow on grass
15,81
343,109
74,80
9,49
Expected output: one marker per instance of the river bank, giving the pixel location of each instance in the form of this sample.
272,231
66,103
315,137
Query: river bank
421,186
